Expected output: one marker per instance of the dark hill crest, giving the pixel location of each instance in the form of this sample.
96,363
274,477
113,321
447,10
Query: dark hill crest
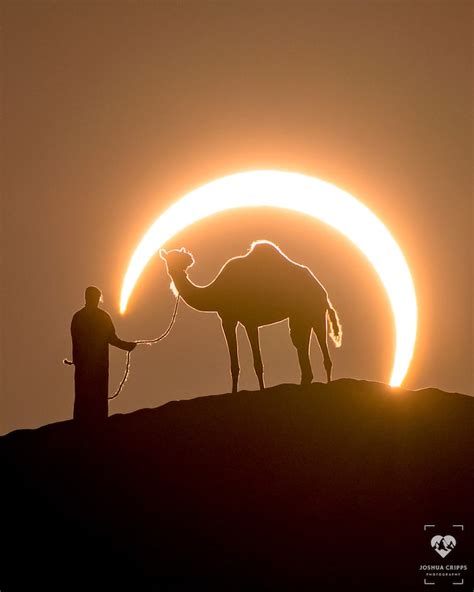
324,485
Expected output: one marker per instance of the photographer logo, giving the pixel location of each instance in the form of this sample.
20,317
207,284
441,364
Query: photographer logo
443,545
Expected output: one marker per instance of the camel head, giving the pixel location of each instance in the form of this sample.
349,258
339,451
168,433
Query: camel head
177,260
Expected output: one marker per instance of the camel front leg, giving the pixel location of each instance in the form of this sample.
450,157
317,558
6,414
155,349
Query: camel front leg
252,334
229,328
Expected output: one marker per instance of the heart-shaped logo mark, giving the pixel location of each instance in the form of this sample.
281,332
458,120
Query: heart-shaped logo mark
443,544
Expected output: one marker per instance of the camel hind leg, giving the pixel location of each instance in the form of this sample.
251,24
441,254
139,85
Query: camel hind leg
321,334
300,334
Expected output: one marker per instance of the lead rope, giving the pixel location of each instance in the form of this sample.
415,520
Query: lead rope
145,342
139,342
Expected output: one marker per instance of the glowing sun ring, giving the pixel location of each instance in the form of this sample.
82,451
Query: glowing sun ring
307,195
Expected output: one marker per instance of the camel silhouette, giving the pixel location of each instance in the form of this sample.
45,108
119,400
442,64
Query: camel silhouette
261,288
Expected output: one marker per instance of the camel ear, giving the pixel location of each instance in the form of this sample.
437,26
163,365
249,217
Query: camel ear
182,250
163,254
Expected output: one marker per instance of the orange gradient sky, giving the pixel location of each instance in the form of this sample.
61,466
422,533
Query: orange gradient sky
113,111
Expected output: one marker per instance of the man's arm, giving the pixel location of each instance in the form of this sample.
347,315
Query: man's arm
115,341
75,355
126,345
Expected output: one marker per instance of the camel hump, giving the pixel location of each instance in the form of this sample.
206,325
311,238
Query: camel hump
264,252
262,261
264,248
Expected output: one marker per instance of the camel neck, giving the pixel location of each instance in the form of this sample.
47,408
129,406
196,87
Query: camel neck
198,297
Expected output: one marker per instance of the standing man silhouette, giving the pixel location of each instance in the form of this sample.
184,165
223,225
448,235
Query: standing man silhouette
92,331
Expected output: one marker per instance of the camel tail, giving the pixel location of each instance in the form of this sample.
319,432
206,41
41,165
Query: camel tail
335,329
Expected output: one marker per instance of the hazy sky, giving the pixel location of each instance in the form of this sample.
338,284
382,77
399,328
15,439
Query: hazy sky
113,110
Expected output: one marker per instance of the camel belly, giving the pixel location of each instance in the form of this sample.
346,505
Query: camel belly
255,312
259,319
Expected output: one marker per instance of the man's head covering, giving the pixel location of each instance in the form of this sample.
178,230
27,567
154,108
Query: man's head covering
93,296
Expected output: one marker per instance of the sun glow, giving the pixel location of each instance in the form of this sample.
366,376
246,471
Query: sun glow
307,195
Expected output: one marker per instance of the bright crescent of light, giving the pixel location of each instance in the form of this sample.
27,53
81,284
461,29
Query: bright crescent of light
307,195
